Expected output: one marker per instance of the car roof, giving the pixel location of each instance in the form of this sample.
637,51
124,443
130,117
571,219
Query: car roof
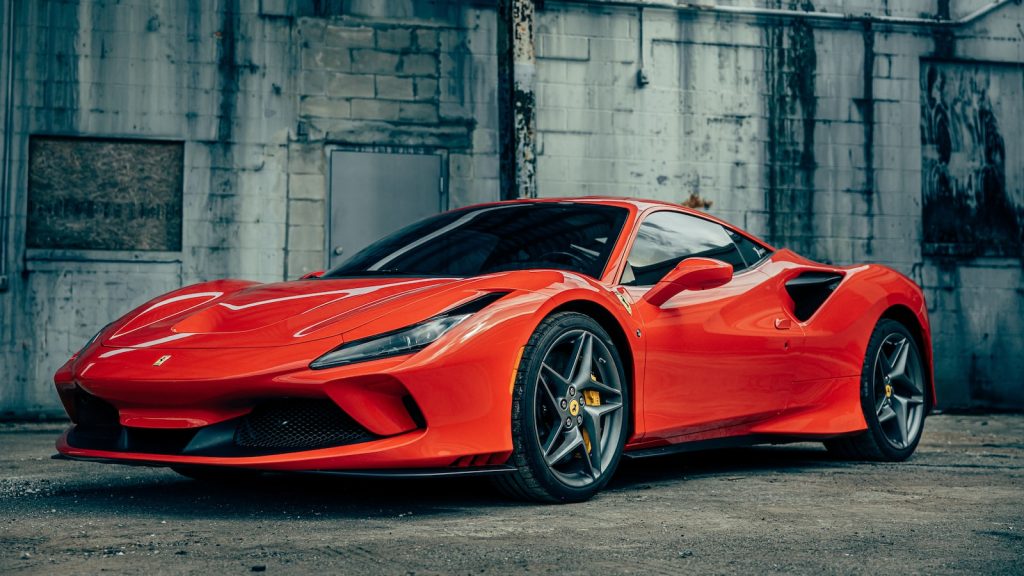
640,205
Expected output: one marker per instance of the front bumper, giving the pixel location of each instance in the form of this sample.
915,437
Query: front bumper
447,407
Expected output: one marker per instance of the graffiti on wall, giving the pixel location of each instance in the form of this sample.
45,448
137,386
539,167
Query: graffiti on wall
972,132
104,194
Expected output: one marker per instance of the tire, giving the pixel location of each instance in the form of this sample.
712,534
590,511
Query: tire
569,420
893,398
216,474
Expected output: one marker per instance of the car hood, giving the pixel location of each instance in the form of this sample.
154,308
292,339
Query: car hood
239,314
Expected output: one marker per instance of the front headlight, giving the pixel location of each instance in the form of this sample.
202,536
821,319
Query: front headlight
405,341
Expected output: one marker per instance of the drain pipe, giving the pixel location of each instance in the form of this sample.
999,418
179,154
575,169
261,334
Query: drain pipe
5,167
784,13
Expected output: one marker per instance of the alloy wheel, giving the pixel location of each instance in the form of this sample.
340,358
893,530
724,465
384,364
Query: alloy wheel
899,391
579,416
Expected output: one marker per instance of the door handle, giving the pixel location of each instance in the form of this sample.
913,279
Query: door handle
339,250
783,323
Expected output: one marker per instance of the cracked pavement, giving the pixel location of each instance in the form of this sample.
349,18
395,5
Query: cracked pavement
956,506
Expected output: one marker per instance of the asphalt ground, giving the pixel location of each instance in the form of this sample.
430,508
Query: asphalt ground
957,506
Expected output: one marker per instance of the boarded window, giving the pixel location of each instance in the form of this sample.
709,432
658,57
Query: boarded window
104,194
972,118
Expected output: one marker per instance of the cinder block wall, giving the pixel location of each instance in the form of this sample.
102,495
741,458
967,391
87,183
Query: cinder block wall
774,125
258,91
771,124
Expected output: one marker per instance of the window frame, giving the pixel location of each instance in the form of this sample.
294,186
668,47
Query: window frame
643,216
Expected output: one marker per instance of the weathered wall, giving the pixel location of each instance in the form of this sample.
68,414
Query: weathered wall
256,90
774,124
892,144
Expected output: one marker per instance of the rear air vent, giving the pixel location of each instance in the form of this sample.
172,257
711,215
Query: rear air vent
810,290
298,424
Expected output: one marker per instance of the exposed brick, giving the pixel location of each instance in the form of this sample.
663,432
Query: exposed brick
395,39
313,82
394,88
350,85
426,40
324,106
418,64
326,58
374,62
417,112
426,88
348,37
375,109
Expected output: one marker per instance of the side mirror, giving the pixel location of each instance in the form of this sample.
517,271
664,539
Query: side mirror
313,274
690,274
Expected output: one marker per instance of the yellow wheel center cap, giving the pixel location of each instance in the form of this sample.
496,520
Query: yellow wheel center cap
888,390
574,407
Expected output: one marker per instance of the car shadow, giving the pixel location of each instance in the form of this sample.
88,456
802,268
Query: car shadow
159,492
731,462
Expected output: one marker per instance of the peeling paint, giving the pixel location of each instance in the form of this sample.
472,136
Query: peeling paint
697,202
517,99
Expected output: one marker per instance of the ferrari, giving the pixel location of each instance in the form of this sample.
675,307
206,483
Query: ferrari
537,341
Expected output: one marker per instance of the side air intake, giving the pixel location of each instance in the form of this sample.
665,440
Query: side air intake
810,290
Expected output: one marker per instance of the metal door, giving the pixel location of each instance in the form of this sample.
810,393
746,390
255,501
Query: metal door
375,193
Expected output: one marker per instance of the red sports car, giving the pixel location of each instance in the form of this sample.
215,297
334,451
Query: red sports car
536,341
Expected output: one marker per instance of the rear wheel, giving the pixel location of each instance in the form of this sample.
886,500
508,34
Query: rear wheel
569,412
892,397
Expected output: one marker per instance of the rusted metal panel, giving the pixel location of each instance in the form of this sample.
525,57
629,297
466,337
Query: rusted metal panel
99,194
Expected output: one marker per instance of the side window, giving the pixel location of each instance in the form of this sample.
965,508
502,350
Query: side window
667,238
750,250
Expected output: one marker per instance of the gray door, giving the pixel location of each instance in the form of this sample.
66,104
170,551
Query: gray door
373,194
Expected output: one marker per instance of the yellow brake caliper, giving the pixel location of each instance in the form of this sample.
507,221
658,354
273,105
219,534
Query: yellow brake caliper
590,398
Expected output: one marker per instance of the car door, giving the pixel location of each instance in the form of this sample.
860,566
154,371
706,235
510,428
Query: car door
717,357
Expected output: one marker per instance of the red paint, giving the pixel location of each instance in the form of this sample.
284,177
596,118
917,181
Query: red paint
728,359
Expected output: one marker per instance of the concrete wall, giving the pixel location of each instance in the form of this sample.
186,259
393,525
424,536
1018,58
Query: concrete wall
772,124
257,91
775,126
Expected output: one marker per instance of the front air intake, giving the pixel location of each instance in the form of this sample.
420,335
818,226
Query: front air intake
298,424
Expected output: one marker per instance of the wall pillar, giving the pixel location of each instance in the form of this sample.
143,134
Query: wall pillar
517,99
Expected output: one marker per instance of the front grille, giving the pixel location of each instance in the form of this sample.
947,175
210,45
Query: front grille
91,412
283,425
297,424
97,424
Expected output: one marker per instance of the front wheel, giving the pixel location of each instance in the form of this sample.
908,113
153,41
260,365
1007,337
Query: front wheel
893,398
570,408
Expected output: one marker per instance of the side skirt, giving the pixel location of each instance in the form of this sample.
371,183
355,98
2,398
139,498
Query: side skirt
717,443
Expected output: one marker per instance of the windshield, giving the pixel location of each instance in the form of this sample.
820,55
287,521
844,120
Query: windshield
566,236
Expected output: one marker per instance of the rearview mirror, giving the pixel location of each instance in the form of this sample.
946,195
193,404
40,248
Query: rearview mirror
313,274
690,274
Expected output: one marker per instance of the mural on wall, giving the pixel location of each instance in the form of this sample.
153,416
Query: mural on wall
972,175
96,194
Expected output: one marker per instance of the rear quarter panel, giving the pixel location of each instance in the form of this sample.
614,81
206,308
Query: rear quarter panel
837,335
